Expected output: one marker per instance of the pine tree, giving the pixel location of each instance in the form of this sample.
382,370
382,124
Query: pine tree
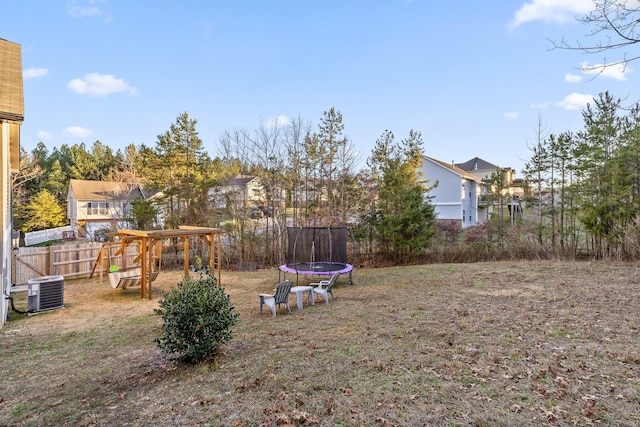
404,220
177,167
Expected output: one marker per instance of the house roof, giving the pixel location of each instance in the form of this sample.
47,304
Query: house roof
454,169
240,180
83,189
11,88
476,164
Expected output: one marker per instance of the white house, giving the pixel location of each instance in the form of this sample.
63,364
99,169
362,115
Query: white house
245,193
455,193
11,118
93,206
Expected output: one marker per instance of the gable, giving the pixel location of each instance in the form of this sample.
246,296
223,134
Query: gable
451,169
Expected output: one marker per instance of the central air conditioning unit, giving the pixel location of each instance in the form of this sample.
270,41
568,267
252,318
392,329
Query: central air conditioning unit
45,293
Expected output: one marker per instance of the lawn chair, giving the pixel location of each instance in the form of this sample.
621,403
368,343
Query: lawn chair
325,287
280,296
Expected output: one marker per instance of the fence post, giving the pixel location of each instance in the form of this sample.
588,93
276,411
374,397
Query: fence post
50,261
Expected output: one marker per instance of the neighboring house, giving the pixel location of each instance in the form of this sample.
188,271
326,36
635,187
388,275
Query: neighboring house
309,191
454,193
484,170
243,192
95,206
239,190
156,201
11,118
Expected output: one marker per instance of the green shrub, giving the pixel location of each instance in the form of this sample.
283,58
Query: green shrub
197,318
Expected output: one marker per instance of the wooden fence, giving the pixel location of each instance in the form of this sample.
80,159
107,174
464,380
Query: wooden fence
73,260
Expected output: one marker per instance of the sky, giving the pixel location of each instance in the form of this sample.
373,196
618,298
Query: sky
477,78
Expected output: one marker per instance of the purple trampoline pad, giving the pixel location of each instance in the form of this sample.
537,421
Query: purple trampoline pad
319,268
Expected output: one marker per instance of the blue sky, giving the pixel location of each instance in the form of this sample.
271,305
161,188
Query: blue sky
473,77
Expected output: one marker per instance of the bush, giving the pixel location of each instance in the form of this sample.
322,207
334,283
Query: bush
197,318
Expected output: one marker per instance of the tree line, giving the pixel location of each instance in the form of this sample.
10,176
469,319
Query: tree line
582,189
586,184
308,174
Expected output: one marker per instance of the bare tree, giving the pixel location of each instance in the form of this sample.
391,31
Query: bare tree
128,167
29,171
295,174
234,147
615,27
269,159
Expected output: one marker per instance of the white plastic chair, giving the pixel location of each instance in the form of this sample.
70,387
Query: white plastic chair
325,287
280,296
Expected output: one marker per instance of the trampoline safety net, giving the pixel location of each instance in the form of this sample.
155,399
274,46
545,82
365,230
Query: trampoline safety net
317,244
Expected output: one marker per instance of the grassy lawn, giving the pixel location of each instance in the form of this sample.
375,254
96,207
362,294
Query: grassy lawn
506,344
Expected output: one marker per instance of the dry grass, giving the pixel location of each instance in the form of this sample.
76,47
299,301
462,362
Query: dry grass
510,343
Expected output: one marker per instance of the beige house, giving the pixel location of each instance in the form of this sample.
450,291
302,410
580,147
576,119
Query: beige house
514,188
96,206
11,118
241,192
484,170
244,188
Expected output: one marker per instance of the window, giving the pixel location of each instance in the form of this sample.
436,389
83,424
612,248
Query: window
97,208
127,209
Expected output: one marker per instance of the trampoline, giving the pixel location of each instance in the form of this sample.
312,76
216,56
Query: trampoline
317,268
317,251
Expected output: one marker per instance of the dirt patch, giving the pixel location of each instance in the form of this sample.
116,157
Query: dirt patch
531,343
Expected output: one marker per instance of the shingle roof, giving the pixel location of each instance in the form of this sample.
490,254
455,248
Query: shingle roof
240,180
11,87
104,190
476,164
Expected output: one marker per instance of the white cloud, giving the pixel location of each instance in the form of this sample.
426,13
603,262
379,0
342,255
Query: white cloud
43,135
100,85
540,105
617,72
279,121
572,78
512,115
78,9
83,11
32,73
76,132
558,11
575,101
88,9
